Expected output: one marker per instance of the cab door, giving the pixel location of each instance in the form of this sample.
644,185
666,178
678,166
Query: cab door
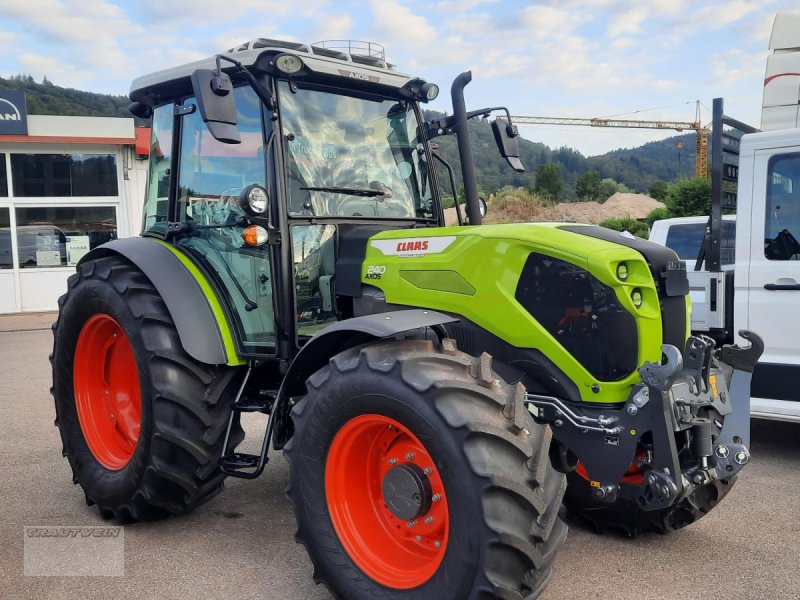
773,284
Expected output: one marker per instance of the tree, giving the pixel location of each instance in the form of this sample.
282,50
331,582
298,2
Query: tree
658,190
628,224
548,181
656,215
608,187
588,186
689,197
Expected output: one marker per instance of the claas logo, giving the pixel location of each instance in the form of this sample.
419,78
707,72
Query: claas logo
412,246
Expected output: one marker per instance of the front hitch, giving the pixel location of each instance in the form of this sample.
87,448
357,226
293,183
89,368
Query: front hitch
703,393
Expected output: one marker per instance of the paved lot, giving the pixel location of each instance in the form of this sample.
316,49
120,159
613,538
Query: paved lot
240,545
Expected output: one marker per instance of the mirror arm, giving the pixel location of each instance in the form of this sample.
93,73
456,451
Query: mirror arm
445,125
262,93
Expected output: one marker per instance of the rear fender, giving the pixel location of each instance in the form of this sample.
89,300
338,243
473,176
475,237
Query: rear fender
196,311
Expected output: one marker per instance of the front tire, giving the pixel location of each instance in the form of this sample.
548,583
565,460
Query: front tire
142,423
417,473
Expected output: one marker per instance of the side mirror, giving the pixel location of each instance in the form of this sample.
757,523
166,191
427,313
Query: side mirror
213,90
484,207
505,135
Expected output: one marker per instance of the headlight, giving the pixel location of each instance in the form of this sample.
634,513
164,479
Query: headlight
430,91
288,63
254,199
637,298
622,271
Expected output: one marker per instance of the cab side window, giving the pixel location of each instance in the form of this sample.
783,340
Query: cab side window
155,207
782,224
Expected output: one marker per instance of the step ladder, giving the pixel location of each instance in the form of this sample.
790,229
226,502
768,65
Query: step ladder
239,464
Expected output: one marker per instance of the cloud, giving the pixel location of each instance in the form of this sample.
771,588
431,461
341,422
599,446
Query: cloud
396,23
332,27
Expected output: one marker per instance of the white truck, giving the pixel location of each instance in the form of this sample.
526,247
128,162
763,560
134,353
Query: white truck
758,174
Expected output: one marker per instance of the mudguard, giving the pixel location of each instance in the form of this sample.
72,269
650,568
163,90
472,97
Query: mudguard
340,336
196,313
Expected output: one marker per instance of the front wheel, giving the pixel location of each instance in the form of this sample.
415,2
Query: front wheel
417,473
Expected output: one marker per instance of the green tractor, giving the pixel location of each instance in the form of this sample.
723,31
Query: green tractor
439,392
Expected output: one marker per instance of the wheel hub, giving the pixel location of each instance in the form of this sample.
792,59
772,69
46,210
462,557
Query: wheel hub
407,491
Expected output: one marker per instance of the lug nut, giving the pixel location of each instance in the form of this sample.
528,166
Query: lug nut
410,456
419,538
428,471
392,461
428,520
411,523
436,497
741,457
722,451
437,543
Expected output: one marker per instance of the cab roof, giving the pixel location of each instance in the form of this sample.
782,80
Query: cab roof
356,69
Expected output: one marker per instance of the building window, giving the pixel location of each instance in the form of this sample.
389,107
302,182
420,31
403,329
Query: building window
3,177
5,239
782,226
48,175
60,236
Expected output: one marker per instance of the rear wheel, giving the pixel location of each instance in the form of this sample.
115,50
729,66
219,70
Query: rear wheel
142,423
416,472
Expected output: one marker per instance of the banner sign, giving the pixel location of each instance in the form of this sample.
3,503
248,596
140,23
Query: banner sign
13,113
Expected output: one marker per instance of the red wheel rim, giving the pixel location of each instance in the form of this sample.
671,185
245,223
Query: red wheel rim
397,553
107,394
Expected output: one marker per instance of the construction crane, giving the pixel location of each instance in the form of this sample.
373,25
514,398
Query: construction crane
702,133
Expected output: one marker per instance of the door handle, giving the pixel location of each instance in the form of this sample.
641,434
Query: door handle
782,286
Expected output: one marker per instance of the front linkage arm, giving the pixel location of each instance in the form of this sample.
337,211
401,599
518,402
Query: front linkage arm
686,393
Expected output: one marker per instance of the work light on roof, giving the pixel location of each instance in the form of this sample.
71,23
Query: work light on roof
430,91
288,63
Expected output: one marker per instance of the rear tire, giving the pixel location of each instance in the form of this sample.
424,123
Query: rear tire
627,518
183,405
488,463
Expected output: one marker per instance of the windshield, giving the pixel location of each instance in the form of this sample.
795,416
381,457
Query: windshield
353,156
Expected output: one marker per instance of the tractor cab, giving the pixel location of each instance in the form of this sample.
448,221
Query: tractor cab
264,158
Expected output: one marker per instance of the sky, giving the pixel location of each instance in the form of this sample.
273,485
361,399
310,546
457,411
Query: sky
557,58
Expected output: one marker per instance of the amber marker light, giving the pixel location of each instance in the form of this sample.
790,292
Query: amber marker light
255,235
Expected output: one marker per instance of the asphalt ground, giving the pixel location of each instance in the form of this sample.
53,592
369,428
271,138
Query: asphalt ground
241,545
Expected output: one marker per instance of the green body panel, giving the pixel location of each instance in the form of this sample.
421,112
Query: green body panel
213,302
443,281
489,260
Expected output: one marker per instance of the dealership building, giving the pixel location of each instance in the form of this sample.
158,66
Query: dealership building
67,185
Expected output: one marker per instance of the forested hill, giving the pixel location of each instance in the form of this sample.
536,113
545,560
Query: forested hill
637,168
48,99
